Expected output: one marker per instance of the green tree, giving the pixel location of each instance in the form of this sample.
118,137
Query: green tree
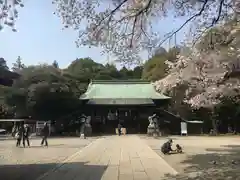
84,69
125,73
43,92
36,74
109,72
160,51
137,72
5,79
17,99
155,68
173,53
51,100
3,64
46,92
18,65
6,76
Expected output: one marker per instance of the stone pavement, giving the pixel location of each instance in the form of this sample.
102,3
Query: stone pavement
112,158
199,152
30,163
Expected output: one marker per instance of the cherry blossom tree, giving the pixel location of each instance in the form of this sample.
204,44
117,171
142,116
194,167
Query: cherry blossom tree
9,12
126,27
205,76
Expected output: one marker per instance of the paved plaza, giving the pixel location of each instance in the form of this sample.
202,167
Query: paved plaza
30,163
114,158
128,157
204,157
107,158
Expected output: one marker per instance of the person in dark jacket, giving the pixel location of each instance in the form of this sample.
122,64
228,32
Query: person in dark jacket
45,133
26,135
14,129
19,135
167,147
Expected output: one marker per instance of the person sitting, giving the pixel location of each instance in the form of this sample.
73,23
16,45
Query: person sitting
167,147
179,149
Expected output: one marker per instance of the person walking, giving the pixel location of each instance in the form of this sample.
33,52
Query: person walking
26,135
14,129
19,135
83,130
83,126
45,133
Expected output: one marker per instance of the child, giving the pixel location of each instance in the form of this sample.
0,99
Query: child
179,148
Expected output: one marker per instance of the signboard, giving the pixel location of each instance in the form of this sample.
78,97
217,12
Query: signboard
183,128
195,122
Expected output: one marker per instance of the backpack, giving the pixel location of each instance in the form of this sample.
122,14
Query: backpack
17,135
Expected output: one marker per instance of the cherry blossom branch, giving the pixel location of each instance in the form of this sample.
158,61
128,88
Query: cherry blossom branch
214,21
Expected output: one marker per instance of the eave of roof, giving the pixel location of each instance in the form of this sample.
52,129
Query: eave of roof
120,102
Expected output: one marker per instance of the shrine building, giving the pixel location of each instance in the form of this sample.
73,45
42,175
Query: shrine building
129,102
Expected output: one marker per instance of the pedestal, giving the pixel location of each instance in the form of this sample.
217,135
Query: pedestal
150,131
82,136
153,131
155,135
123,131
88,130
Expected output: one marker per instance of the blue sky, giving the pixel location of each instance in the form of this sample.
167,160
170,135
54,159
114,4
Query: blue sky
40,38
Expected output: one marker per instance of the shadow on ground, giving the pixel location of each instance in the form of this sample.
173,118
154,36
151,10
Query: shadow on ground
216,164
58,146
67,171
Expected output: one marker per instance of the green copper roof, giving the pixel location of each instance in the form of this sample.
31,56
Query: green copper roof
121,92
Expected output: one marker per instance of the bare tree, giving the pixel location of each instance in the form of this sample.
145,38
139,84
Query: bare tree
18,65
